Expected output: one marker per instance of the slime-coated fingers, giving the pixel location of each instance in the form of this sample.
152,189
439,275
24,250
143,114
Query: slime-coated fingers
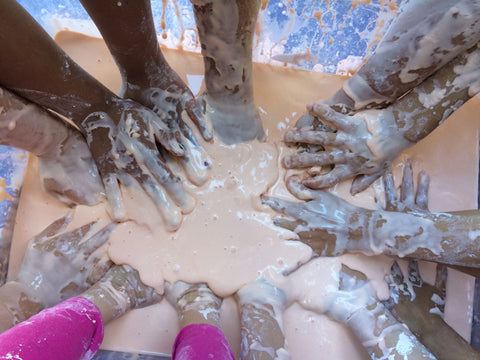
305,159
330,116
313,137
421,198
361,182
407,195
391,199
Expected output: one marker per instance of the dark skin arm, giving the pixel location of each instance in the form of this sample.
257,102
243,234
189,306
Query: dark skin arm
63,154
225,29
128,29
121,134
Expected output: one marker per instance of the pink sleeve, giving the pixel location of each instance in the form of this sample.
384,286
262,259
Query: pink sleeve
71,330
200,342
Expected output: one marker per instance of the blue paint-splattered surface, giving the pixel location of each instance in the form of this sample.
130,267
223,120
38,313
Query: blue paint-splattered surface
331,30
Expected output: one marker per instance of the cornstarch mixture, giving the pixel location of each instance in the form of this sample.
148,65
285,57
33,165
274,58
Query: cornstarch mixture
229,239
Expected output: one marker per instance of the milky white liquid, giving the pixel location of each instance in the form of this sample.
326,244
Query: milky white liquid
229,240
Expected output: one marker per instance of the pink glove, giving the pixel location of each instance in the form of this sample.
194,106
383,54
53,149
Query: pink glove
71,330
201,341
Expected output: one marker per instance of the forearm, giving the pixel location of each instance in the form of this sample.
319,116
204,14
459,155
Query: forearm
119,291
72,329
439,237
261,307
129,32
417,114
29,127
199,305
383,336
37,69
226,31
424,37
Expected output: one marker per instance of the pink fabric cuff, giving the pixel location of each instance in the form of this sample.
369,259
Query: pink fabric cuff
71,330
200,342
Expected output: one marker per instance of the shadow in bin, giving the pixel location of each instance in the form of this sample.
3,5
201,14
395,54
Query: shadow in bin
117,355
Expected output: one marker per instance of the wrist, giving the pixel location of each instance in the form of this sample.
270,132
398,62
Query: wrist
111,303
362,94
387,133
403,234
20,301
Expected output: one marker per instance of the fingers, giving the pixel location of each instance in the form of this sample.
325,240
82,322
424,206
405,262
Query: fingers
338,174
361,182
407,196
305,121
285,207
67,244
287,224
196,164
171,214
166,137
299,190
391,201
195,114
414,274
338,120
351,279
396,275
53,229
312,137
97,240
422,191
98,266
305,160
114,196
167,179
441,285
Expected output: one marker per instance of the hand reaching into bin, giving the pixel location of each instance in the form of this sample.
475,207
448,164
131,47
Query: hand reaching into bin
417,77
58,266
405,228
121,134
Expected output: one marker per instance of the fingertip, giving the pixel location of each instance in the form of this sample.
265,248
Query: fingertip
188,204
114,197
298,189
361,182
265,199
177,148
207,135
290,136
287,162
318,109
424,177
314,183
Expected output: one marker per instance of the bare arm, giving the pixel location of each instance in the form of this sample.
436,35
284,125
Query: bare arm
119,291
366,143
352,300
424,37
261,307
64,157
129,32
332,226
225,29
